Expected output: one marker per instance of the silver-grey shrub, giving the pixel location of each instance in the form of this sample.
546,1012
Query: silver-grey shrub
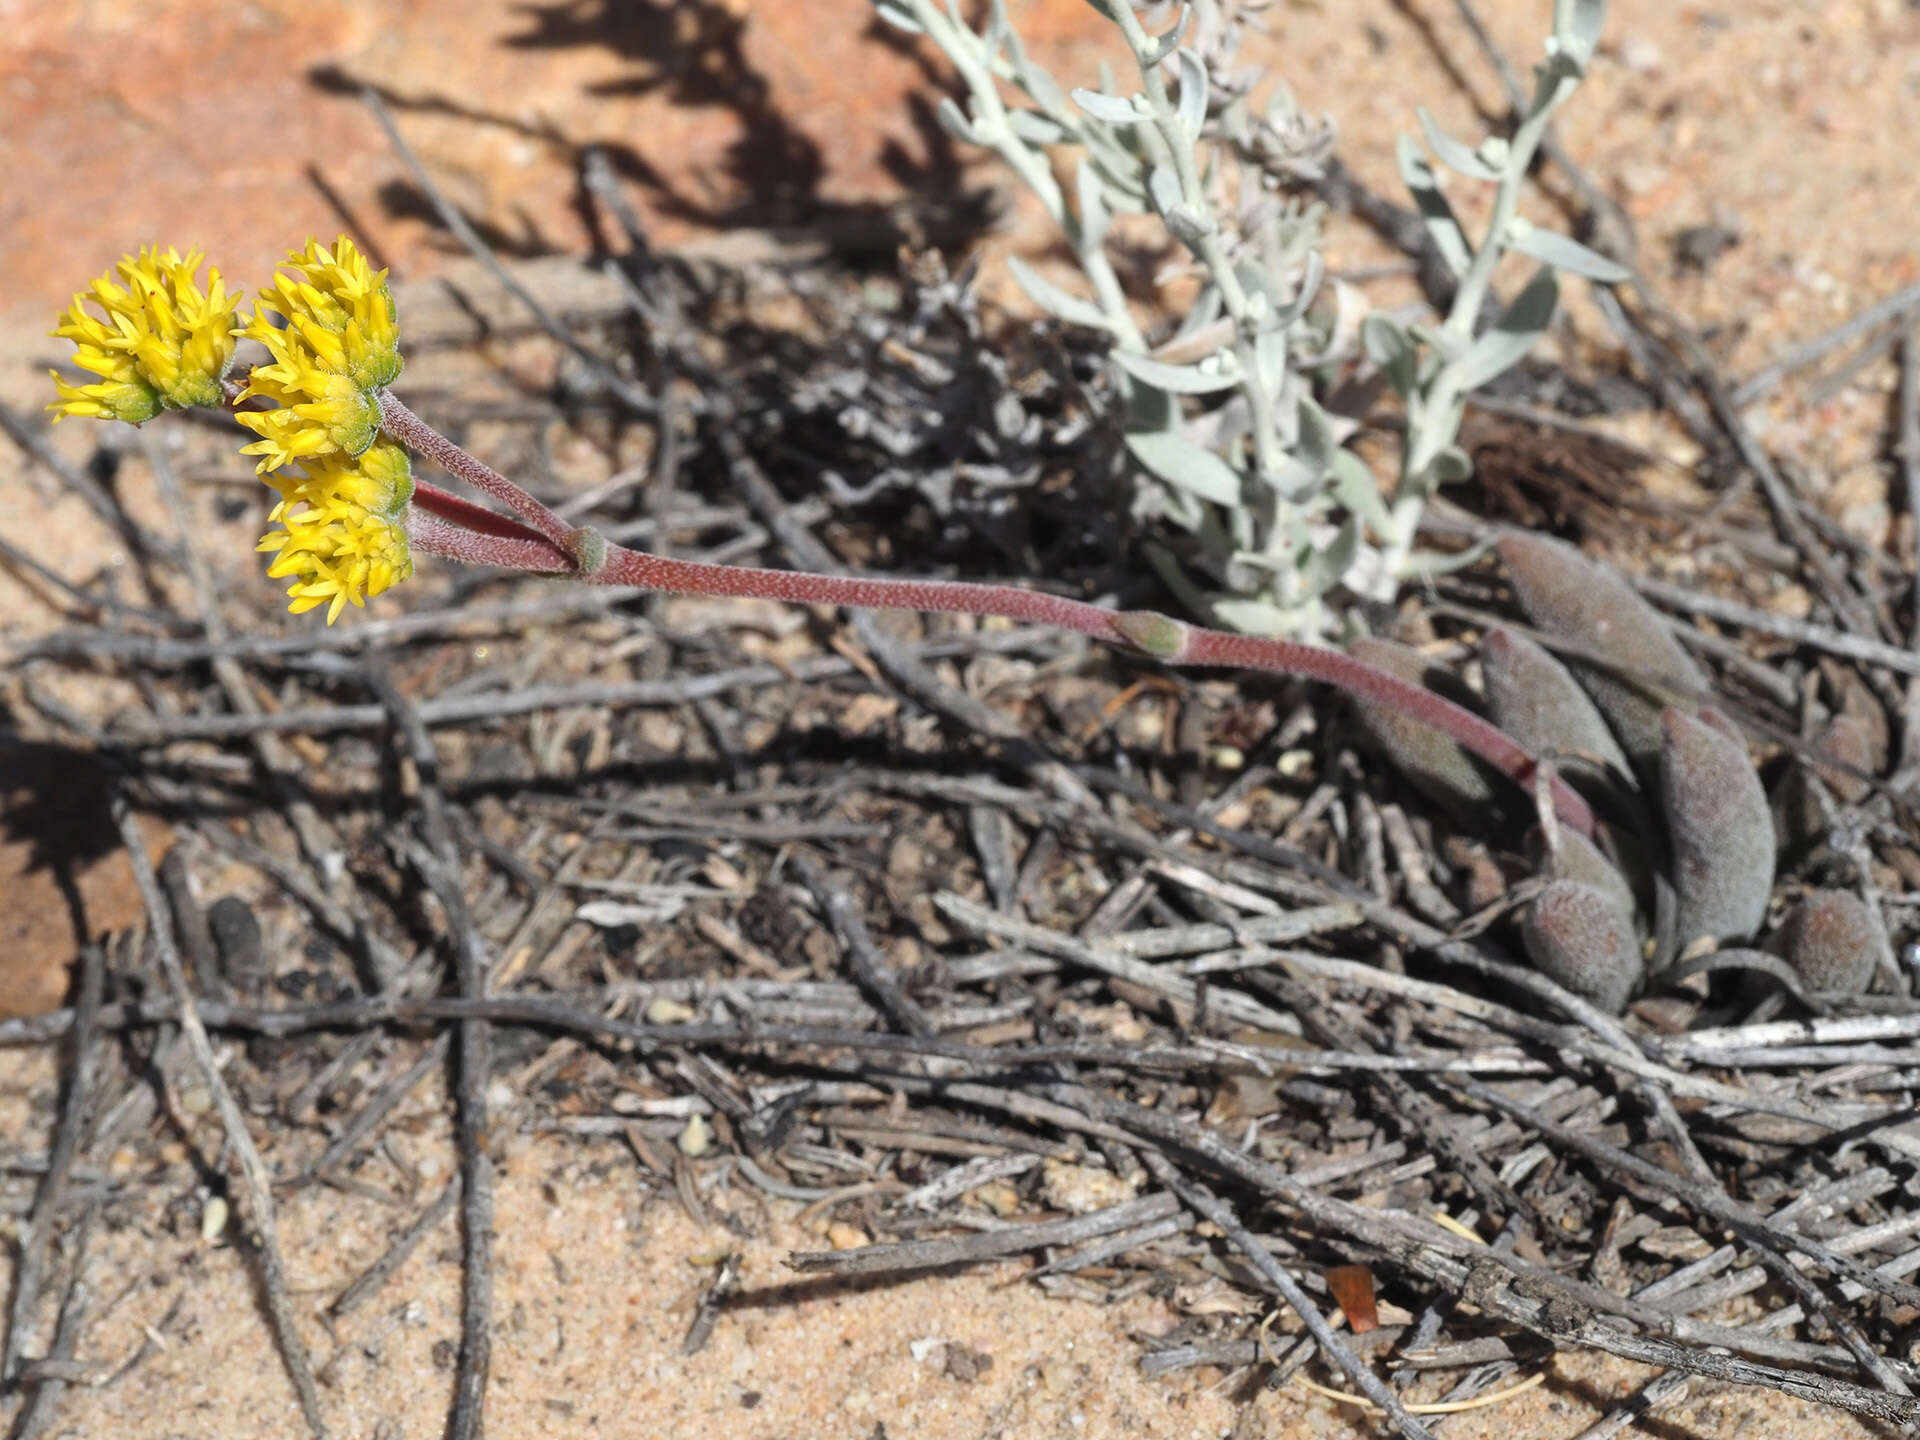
1274,526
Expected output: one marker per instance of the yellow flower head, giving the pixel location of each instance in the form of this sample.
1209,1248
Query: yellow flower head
121,393
164,343
341,309
336,342
320,412
343,528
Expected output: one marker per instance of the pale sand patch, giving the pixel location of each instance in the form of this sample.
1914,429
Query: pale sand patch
594,1288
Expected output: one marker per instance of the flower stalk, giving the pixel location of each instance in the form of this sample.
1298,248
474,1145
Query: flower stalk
333,441
546,544
421,438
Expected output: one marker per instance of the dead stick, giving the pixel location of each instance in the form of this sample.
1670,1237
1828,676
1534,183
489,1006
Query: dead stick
66,1144
439,865
256,1182
1205,1203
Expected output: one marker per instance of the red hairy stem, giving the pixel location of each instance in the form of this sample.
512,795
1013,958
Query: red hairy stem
799,587
444,524
421,438
429,534
1356,677
477,518
1160,636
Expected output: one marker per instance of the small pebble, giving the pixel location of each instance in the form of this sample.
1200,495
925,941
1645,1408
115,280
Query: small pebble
999,1197
697,1138
1082,1189
236,936
1640,55
665,1010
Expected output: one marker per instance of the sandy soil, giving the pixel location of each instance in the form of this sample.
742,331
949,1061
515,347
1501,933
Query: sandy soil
598,1272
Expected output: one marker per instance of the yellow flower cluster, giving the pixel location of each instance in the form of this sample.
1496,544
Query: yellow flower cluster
331,331
343,528
337,344
343,506
163,342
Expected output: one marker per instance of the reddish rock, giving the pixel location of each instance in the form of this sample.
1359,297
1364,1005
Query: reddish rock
64,877
202,124
239,127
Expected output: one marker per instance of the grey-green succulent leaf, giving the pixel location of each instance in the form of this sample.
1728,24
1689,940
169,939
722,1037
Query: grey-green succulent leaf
1462,159
1578,937
1095,216
1516,332
1191,467
1189,226
1389,346
1119,176
1041,87
994,38
1286,310
1719,825
1192,112
1428,198
1055,301
1356,489
1253,617
1163,45
1314,443
954,121
1563,253
1423,565
1037,128
1164,187
1432,457
1325,566
1208,377
1450,465
1292,480
1113,109
898,18
1576,28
